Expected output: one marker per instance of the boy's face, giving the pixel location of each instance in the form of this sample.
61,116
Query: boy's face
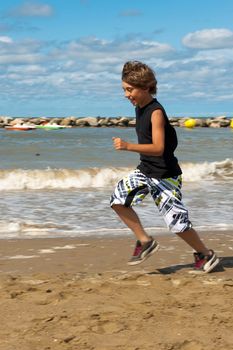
137,96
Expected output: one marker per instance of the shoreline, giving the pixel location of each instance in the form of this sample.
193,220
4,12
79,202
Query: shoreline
92,254
79,293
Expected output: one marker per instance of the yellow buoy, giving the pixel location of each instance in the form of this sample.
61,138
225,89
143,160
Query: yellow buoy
190,123
231,124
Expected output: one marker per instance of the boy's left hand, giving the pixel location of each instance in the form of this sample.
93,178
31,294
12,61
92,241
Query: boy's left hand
119,144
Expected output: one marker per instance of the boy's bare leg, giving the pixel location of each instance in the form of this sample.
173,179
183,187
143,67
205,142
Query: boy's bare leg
193,240
131,219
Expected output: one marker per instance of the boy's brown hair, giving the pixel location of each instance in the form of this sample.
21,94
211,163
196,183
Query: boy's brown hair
140,76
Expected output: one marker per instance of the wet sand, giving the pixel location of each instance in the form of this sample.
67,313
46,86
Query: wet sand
78,293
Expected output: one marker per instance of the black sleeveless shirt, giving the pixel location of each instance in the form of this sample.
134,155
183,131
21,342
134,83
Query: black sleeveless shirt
156,166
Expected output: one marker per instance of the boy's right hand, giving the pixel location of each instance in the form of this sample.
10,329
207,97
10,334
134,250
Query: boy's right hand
119,144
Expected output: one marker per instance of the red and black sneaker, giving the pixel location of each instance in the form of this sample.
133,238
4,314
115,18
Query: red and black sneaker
143,251
205,263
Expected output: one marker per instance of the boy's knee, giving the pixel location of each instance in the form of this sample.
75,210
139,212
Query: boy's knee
181,227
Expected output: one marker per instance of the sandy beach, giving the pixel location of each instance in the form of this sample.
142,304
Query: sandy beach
79,293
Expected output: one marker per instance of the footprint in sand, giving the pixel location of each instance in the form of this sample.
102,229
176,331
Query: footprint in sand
190,345
108,328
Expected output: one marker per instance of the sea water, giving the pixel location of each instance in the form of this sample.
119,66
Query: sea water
57,183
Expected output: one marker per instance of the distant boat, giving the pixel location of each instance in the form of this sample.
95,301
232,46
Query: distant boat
20,127
52,126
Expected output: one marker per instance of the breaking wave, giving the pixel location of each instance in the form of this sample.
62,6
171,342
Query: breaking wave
60,179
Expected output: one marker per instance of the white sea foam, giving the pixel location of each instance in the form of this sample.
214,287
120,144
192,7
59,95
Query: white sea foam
20,179
17,257
208,170
100,232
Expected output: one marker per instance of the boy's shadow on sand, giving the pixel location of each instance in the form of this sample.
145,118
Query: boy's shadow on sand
225,263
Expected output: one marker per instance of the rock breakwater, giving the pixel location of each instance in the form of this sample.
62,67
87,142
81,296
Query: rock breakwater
121,121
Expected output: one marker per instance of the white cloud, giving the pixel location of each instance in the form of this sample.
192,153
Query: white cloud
209,39
103,52
26,69
5,39
226,97
92,67
20,59
32,9
25,52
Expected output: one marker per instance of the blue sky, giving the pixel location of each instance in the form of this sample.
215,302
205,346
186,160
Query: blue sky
64,57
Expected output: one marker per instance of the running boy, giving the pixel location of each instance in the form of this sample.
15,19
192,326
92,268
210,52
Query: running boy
158,172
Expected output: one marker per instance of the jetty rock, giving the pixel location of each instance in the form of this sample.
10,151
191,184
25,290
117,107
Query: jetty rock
69,121
132,123
87,121
174,121
218,122
200,123
17,121
109,121
5,120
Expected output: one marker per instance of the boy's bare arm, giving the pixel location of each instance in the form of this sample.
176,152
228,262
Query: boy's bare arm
158,137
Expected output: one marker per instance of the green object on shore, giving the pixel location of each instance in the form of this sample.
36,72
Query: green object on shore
50,126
